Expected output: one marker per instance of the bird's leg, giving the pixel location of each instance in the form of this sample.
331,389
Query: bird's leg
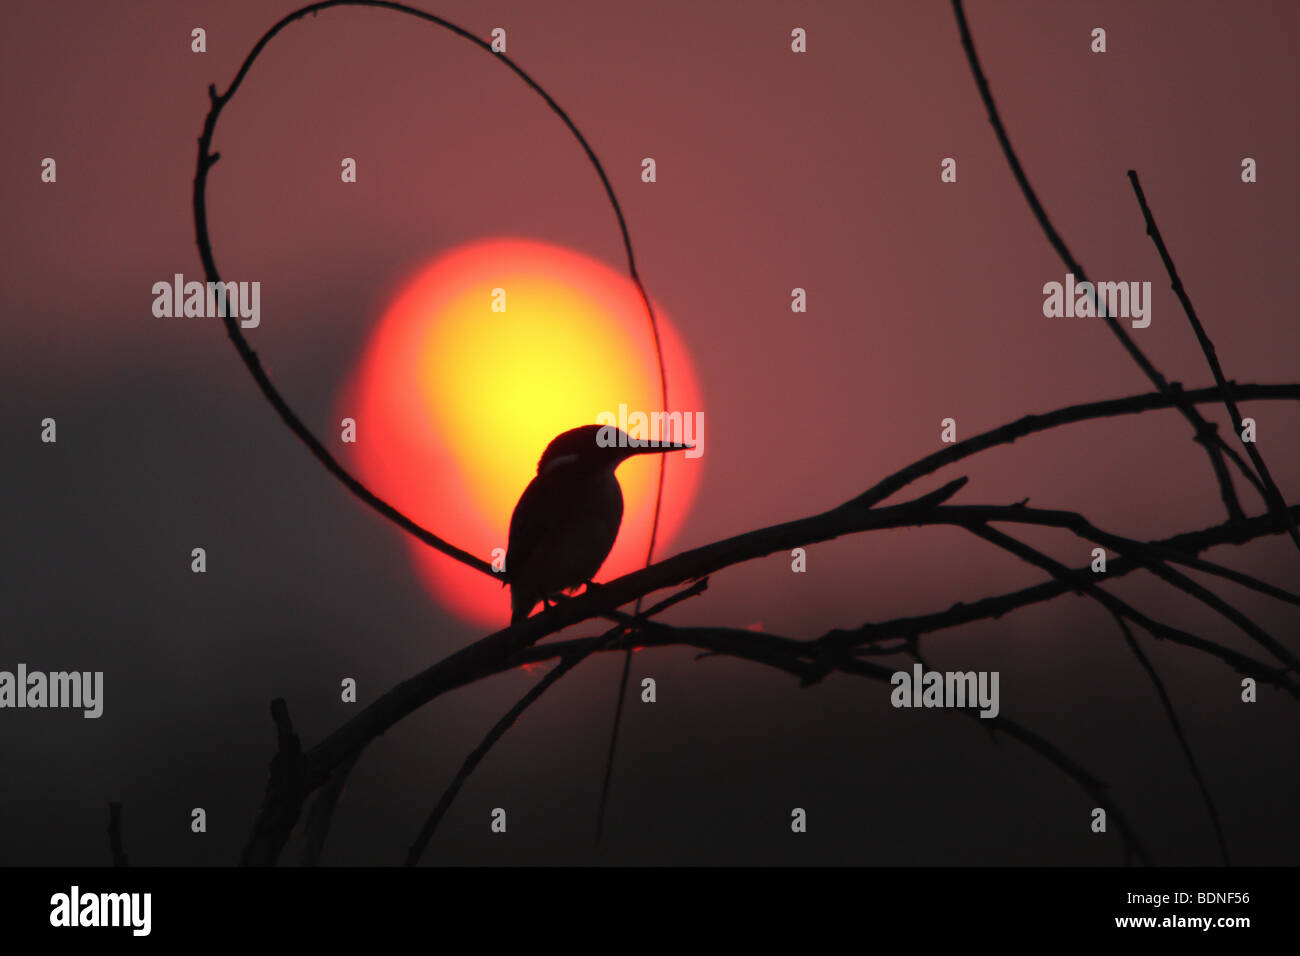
556,599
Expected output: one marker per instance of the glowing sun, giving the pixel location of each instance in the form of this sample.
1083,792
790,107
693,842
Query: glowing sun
480,359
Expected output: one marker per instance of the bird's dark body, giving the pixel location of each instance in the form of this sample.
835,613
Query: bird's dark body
562,530
567,519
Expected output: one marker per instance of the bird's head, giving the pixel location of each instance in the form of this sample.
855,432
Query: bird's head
596,447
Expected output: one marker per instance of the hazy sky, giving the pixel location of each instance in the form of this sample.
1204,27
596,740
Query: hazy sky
775,170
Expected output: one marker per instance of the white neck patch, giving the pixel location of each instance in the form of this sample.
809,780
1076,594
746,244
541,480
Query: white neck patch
555,462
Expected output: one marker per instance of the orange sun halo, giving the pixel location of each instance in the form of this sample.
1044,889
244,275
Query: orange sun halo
454,402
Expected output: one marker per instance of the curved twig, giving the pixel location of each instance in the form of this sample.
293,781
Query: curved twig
206,160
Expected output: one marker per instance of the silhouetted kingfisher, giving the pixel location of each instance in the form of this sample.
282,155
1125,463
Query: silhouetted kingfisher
567,518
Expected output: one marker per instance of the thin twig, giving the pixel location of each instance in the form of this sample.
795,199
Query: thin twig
286,790
1094,787
613,743
1167,702
1071,414
1190,543
115,834
498,730
1242,663
1271,493
1150,558
321,815
416,850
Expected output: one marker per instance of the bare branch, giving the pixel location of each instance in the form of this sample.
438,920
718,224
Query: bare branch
486,655
811,660
1168,704
507,648
469,663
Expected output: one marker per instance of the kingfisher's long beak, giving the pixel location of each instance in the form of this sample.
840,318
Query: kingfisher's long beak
662,447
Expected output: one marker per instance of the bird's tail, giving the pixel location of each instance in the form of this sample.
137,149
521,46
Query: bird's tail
521,605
